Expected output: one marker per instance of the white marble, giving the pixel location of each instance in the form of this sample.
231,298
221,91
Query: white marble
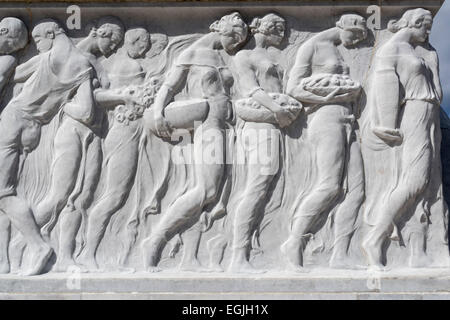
232,140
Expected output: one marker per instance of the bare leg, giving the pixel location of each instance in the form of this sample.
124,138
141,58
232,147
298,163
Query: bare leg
22,218
64,171
345,217
216,247
5,235
191,242
72,218
330,157
70,221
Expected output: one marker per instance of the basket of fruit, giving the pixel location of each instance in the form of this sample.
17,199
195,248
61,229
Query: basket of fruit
324,84
250,110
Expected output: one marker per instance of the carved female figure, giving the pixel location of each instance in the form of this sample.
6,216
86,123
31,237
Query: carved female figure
260,80
77,155
13,37
59,74
399,142
320,80
123,141
200,69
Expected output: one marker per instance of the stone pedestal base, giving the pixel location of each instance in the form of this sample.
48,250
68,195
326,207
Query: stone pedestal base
319,284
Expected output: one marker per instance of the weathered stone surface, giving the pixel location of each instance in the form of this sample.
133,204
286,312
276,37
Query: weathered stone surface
236,141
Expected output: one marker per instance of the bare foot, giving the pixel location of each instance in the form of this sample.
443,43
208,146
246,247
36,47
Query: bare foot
63,264
88,262
377,268
292,254
39,259
215,268
150,249
296,269
153,269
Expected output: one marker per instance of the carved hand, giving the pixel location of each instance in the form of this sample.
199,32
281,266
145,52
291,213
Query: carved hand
284,117
163,129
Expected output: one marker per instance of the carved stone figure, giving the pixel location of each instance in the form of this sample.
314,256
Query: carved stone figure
51,79
401,142
319,79
124,141
13,37
261,79
306,144
202,69
77,155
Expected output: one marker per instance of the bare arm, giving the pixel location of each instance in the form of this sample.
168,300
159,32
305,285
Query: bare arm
25,70
303,69
82,105
108,98
387,86
433,62
249,85
172,85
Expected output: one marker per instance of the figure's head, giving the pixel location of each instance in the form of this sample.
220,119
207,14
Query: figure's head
271,26
45,33
137,42
418,21
232,29
353,29
108,32
13,35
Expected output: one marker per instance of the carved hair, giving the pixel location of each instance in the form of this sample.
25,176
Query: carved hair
351,21
261,25
47,25
109,27
411,18
226,23
133,35
17,31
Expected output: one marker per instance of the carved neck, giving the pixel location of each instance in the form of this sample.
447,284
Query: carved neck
211,40
260,41
404,35
89,45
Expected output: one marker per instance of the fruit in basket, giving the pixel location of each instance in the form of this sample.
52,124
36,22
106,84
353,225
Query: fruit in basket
324,84
250,110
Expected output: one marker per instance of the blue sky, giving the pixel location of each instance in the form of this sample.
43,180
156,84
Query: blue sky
440,39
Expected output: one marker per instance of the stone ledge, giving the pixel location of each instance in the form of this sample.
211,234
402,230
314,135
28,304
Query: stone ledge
324,284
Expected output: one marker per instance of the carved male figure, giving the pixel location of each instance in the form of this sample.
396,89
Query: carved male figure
13,37
57,75
77,155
